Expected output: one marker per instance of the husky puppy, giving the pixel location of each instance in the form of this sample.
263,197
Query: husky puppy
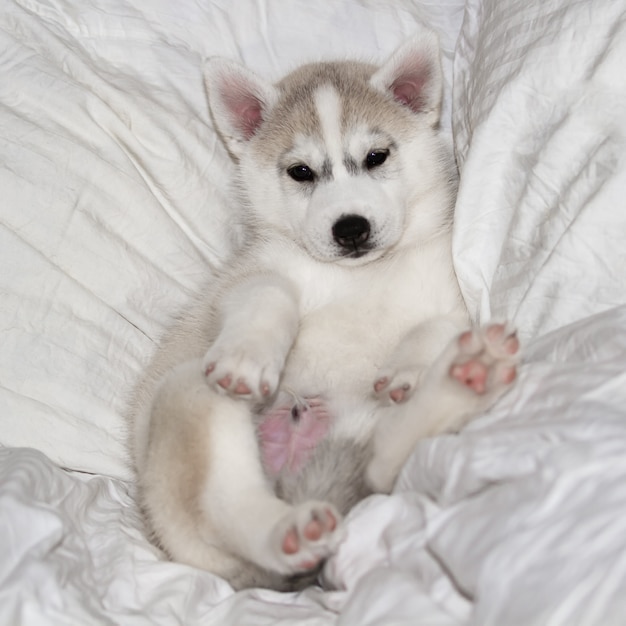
299,380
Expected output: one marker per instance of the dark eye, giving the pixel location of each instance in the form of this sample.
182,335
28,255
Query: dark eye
301,173
376,158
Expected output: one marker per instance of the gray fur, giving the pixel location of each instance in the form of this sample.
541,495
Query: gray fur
335,473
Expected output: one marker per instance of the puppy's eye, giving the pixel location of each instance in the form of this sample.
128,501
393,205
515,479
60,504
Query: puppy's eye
301,173
376,158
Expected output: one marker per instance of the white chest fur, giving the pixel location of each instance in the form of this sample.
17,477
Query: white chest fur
352,318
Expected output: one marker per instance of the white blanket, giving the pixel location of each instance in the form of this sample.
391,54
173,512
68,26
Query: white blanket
540,136
113,211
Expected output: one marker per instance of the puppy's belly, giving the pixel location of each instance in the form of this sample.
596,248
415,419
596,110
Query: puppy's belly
290,431
289,434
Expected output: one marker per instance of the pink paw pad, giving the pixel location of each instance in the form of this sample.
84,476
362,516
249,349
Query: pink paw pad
508,375
397,394
380,384
472,374
467,340
499,340
290,543
240,387
225,382
313,531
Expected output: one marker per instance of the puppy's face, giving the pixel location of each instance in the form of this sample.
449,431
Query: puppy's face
338,155
337,176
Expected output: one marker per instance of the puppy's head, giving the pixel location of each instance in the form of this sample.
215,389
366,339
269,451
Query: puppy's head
344,158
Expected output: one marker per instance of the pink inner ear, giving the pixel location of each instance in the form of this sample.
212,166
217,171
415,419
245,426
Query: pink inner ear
245,109
411,87
250,118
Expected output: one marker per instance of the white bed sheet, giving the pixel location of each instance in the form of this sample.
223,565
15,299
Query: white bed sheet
540,135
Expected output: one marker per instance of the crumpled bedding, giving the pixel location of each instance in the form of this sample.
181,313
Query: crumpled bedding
114,210
540,138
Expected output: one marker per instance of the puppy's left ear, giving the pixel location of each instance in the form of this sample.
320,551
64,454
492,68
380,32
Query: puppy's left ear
413,76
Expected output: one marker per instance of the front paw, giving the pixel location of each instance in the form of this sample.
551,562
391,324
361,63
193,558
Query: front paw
247,371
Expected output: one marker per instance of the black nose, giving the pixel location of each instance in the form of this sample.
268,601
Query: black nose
351,231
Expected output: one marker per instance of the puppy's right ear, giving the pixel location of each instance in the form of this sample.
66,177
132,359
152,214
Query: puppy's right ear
239,101
413,76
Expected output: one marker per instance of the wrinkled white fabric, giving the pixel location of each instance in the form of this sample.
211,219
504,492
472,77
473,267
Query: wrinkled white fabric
113,210
540,135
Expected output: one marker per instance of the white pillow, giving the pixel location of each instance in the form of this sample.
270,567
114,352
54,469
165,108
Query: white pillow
539,124
113,186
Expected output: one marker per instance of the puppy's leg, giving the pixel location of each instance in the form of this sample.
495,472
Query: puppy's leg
251,520
206,495
474,370
259,324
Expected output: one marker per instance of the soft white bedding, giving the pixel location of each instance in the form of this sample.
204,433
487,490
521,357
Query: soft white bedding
113,210
540,135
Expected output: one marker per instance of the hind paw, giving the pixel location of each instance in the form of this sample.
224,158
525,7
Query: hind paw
486,359
307,535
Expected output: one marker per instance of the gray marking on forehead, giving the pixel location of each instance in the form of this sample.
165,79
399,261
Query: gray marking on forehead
296,112
326,171
363,109
352,167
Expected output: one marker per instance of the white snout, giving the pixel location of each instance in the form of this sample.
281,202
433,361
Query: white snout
354,197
